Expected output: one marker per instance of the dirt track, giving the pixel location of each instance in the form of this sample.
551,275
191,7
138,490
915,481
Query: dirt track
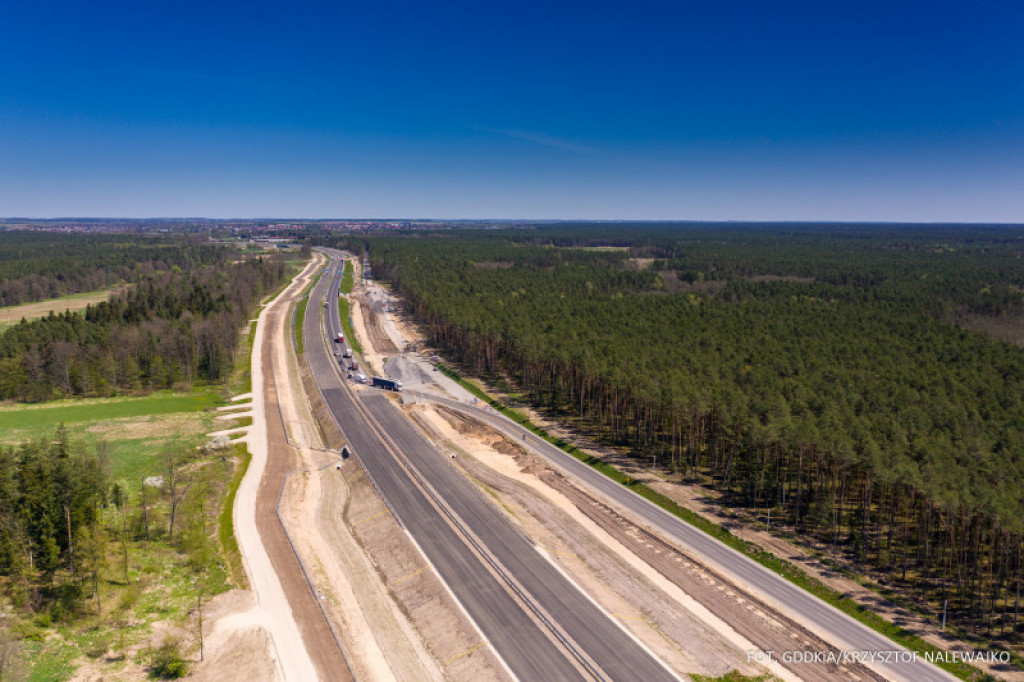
379,339
282,458
751,618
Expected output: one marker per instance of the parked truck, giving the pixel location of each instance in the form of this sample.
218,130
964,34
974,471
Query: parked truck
387,384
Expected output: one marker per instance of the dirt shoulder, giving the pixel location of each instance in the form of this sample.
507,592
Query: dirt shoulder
283,610
282,459
379,641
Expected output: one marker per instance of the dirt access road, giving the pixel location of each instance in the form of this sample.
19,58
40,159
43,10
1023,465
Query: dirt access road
302,641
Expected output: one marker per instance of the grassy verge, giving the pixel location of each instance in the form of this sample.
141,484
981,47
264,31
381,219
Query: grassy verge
344,312
300,315
782,567
314,279
347,278
226,530
241,373
732,676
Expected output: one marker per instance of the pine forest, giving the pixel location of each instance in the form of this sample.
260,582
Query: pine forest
860,383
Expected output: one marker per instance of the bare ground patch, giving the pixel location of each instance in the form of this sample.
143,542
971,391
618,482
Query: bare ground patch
152,426
1008,328
674,285
73,302
756,279
378,338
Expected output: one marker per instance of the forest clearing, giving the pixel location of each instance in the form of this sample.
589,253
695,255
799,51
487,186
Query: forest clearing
11,315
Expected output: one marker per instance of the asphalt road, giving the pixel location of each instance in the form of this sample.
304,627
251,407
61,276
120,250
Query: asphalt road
616,654
612,649
519,641
828,622
823,619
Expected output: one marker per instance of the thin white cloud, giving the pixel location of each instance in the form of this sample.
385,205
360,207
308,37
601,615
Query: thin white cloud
542,139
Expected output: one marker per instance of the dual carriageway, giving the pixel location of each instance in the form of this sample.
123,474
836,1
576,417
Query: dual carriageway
537,621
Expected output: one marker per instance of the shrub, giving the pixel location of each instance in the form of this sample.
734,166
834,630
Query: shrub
167,663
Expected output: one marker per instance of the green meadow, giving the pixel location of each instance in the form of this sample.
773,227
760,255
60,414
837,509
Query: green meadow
136,430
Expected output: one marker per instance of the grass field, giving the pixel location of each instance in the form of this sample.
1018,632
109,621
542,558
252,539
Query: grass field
136,429
344,313
150,579
300,315
11,315
163,576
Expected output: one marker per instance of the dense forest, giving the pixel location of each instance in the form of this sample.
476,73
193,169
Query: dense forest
35,266
177,324
829,376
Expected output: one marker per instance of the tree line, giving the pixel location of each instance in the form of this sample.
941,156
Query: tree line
172,327
36,266
818,384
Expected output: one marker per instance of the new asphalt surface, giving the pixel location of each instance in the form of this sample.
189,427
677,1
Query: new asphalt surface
821,618
517,638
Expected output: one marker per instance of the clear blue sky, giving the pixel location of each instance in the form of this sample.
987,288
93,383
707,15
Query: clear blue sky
648,110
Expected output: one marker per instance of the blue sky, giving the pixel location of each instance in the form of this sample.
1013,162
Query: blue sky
645,110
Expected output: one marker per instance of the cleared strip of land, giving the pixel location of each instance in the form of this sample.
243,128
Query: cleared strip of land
11,315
